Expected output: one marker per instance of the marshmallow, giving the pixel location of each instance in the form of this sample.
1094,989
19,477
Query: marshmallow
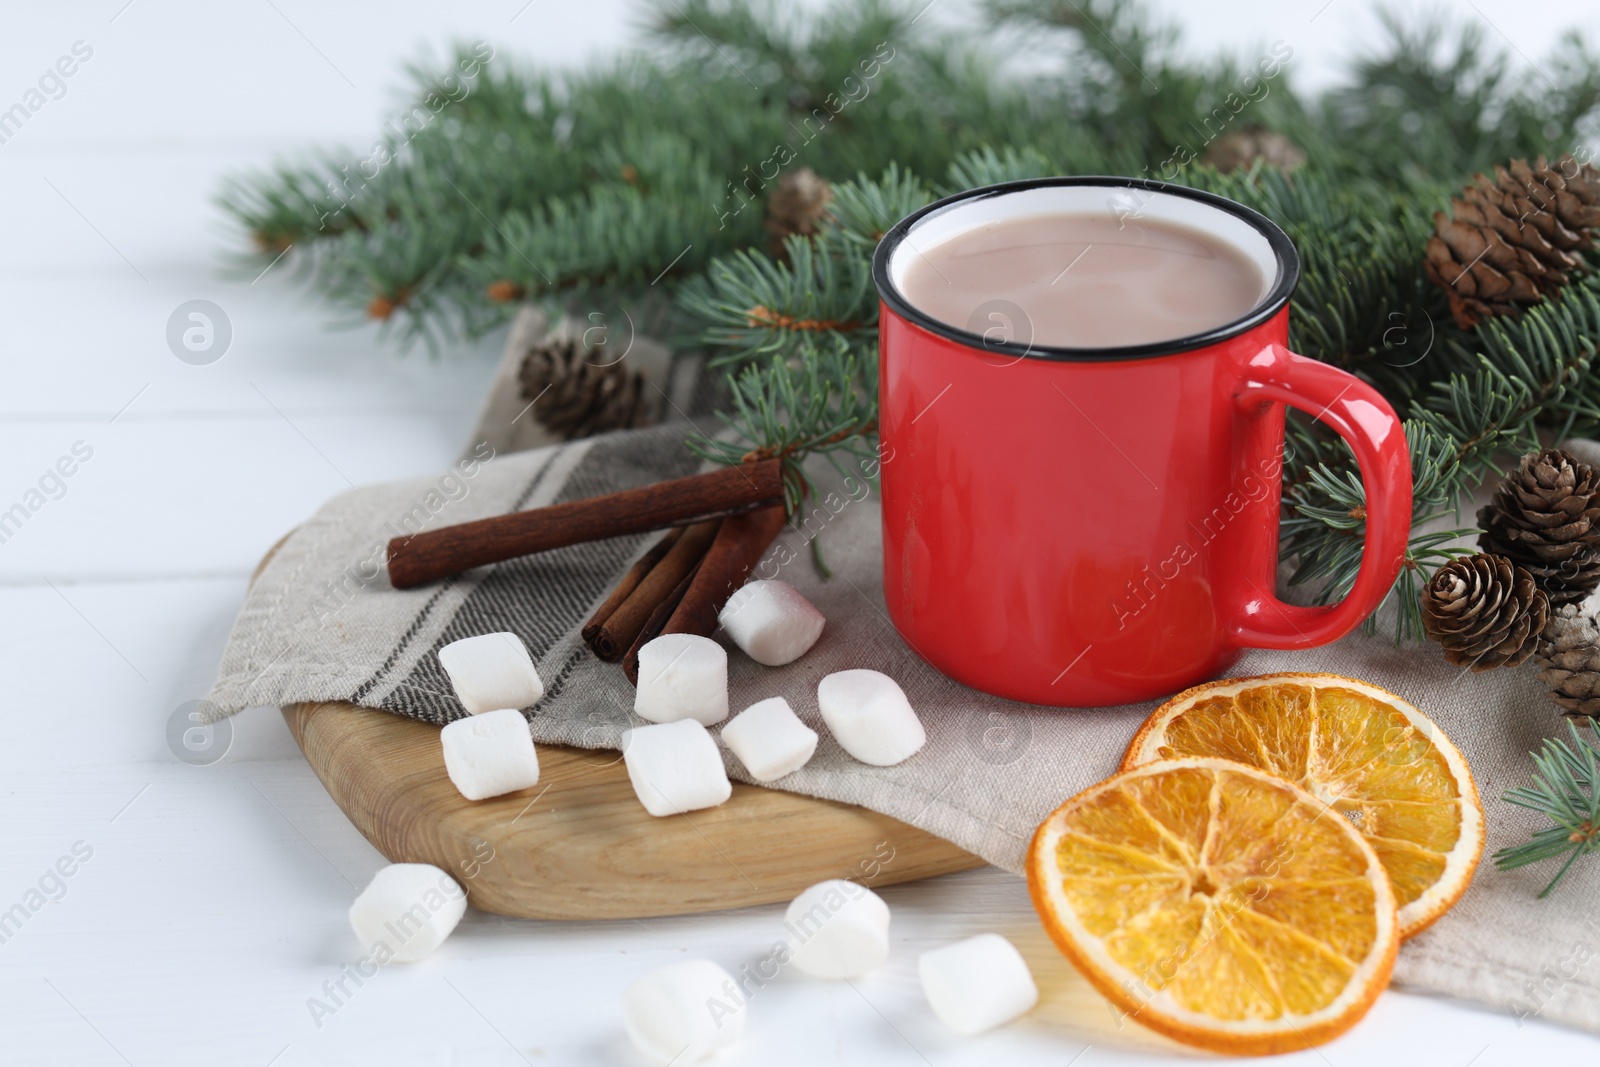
977,984
675,767
491,671
407,911
769,739
682,1013
490,754
870,717
771,622
837,929
682,676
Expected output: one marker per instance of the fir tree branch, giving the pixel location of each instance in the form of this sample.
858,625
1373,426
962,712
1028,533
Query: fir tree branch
822,399
756,306
649,174
1566,790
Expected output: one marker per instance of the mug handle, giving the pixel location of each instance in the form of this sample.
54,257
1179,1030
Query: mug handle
1366,421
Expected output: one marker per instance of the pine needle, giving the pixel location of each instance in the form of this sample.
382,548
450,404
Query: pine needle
1566,789
644,179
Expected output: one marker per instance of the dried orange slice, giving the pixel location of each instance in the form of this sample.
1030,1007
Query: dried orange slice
1369,755
1217,904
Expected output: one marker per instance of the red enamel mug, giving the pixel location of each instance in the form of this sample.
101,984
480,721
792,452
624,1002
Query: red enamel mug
1083,527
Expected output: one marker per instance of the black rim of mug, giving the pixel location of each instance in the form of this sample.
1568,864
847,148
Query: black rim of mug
1283,288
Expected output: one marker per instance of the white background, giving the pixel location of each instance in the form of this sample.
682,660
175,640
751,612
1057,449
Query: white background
213,906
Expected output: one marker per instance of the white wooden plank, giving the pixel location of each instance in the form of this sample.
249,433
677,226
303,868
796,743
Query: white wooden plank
202,495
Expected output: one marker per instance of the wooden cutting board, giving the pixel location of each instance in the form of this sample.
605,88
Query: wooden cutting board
579,845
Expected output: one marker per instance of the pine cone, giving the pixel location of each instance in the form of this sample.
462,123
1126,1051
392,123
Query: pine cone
1546,518
1240,148
797,205
1485,610
577,390
1569,658
1510,240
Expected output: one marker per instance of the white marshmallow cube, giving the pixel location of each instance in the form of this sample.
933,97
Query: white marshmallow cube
491,671
837,929
769,739
771,622
977,984
682,676
675,767
870,716
681,1013
407,911
490,754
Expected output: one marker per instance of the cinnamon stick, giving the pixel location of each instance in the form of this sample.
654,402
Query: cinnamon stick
739,546
658,619
628,584
440,553
616,634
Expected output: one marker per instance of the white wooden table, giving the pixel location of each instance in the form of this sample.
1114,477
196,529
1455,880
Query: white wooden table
211,907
